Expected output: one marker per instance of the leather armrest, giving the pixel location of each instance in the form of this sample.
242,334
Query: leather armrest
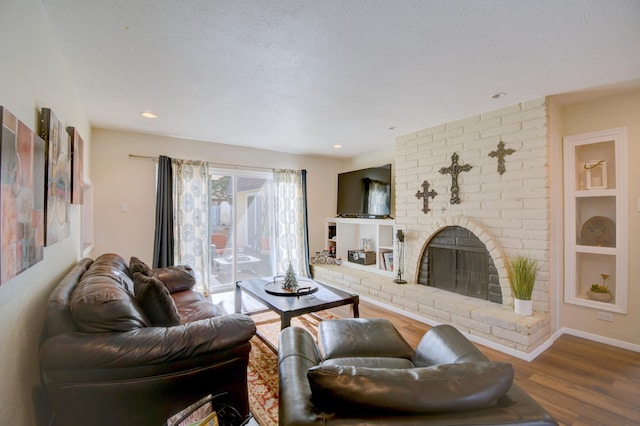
148,345
297,352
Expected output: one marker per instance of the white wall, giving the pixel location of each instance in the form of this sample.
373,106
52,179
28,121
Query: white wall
33,74
119,179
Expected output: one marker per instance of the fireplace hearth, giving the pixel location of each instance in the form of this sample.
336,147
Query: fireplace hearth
456,260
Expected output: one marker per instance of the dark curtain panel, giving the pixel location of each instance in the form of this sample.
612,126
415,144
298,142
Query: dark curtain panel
163,241
306,221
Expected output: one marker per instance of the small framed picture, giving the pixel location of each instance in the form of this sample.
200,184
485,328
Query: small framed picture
596,174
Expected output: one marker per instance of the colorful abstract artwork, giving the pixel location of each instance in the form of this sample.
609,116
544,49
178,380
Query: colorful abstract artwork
22,162
58,178
77,165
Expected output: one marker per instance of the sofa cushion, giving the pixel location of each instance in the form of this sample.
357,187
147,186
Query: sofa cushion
114,267
371,362
175,278
155,300
100,303
137,265
444,387
361,337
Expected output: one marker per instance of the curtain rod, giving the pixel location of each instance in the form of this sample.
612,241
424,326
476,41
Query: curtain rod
235,166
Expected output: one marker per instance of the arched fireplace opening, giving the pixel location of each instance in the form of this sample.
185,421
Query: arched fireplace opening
456,260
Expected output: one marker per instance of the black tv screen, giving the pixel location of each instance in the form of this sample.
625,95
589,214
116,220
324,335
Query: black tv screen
365,193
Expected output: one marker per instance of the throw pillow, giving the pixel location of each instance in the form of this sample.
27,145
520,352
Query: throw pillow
137,265
100,304
155,300
175,278
444,387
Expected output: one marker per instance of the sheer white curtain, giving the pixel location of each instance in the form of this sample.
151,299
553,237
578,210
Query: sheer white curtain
191,218
290,221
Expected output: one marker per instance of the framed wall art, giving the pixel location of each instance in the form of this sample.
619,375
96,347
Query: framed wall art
58,178
77,165
22,163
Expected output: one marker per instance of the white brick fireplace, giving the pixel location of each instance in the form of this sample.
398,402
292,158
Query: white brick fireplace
508,212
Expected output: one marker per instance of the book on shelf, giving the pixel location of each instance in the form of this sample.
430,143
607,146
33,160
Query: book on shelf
386,260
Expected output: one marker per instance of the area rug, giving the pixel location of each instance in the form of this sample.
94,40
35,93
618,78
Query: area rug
262,373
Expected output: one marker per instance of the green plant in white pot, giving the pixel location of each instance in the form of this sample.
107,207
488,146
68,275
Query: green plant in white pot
523,277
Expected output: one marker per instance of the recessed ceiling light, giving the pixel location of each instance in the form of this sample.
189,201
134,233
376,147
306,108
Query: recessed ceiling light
499,95
337,146
393,127
147,114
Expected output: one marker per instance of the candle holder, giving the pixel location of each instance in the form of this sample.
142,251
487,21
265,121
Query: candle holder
400,262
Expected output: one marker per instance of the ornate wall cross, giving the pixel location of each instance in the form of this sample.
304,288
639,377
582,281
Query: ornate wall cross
501,153
454,170
425,194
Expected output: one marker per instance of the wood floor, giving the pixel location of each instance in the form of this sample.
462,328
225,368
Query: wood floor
578,381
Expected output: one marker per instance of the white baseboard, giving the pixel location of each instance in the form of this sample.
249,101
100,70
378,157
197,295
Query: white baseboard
601,339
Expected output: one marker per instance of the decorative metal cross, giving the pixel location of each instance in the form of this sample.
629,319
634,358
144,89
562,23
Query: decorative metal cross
425,194
500,153
455,169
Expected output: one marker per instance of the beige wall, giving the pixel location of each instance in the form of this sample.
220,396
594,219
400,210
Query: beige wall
119,179
614,111
33,75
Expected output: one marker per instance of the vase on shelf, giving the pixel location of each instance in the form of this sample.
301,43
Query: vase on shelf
600,293
600,297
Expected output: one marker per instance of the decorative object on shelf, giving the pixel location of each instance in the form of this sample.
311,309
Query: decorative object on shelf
326,256
523,274
454,170
500,153
365,244
598,231
290,282
600,293
425,194
596,174
399,265
361,257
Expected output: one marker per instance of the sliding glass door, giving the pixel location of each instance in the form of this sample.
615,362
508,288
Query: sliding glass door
241,227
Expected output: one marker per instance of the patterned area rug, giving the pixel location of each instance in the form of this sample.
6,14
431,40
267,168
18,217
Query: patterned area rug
263,363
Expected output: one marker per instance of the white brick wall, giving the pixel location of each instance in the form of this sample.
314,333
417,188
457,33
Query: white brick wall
508,212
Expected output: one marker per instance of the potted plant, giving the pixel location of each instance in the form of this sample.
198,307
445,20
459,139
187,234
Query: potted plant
523,276
600,292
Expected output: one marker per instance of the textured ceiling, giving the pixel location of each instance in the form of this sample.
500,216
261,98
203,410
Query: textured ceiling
300,75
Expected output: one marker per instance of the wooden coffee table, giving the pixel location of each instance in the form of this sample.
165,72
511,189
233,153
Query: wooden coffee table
292,306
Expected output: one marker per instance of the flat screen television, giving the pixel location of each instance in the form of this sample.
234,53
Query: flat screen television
365,193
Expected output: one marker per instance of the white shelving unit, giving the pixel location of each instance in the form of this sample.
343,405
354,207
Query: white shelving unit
596,234
344,234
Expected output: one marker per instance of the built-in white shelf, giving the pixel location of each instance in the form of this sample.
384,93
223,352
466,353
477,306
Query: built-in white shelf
345,234
595,205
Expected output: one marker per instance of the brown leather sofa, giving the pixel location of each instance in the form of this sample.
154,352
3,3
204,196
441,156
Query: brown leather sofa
362,372
127,345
